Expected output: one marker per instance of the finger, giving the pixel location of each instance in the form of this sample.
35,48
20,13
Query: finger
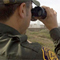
55,12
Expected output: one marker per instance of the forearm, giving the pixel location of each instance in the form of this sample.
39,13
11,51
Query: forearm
55,34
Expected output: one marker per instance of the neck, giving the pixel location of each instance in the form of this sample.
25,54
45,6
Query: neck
15,22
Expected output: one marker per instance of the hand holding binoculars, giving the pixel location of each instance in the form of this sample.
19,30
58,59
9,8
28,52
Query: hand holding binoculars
38,11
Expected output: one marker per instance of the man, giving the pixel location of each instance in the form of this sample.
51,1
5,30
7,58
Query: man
15,16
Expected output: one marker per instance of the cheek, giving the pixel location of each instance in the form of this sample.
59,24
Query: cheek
28,19
29,16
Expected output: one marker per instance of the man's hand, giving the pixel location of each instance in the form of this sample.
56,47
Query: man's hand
51,20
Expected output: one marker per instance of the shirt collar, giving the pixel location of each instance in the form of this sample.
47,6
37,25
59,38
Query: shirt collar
7,29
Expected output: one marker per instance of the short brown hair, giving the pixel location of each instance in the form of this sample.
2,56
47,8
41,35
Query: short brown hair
7,10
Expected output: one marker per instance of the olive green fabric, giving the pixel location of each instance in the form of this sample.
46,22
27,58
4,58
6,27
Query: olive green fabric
55,34
14,46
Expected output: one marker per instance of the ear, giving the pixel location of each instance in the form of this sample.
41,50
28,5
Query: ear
22,10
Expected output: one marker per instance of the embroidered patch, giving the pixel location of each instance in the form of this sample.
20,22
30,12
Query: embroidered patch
48,55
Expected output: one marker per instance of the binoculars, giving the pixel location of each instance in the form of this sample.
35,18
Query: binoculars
38,12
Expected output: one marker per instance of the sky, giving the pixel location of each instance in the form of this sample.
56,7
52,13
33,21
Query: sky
55,4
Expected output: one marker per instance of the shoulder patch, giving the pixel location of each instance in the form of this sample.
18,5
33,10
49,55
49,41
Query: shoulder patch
48,55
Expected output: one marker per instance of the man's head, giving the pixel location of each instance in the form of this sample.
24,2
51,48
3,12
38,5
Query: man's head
6,10
16,15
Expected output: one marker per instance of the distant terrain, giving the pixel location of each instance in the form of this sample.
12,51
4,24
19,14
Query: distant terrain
41,36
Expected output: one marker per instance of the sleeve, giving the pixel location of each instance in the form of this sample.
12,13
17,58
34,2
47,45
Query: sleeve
55,34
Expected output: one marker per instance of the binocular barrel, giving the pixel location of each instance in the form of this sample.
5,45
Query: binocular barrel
38,12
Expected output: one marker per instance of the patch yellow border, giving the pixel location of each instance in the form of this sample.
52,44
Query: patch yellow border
51,54
43,54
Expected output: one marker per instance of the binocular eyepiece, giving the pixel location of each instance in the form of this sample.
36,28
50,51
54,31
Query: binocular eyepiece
38,12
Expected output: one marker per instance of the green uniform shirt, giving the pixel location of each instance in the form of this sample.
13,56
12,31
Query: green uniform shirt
14,46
